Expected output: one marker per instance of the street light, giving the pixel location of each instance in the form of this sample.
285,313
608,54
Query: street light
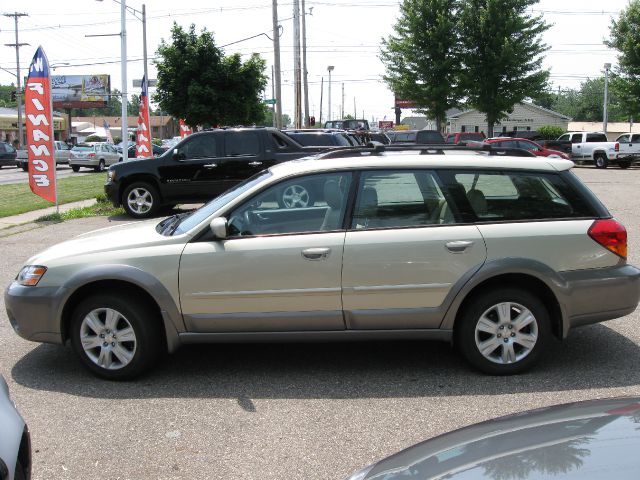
329,69
123,61
607,67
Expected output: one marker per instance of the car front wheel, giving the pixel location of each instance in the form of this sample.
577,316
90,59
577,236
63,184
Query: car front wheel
115,336
601,161
141,200
75,168
503,332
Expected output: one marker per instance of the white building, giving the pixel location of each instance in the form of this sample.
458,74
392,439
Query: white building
525,117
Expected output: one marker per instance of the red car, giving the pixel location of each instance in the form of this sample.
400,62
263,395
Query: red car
523,143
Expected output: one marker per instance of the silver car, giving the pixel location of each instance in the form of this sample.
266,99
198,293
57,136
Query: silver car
97,156
495,254
15,442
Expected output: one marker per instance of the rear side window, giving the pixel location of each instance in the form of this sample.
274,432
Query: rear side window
399,198
596,137
240,144
429,137
514,196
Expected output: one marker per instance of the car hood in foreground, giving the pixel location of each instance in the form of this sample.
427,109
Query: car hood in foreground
588,440
118,237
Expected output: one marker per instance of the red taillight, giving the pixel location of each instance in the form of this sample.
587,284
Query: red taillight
617,147
611,235
91,155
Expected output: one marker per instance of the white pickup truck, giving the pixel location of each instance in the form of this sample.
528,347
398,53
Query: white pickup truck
62,154
629,148
594,147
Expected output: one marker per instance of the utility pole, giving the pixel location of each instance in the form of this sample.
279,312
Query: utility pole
304,65
15,16
607,66
342,108
276,63
329,69
273,107
124,130
144,43
296,63
321,94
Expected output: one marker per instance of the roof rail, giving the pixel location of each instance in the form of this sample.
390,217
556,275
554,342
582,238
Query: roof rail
425,150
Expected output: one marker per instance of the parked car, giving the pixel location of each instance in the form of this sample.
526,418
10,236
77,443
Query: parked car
348,124
202,166
496,257
320,138
429,137
157,151
15,441
62,153
529,145
7,155
402,136
595,439
461,137
96,156
629,149
379,137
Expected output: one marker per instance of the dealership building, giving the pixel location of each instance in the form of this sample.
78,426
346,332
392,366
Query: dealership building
9,125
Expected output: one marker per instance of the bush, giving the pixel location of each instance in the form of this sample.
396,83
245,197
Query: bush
117,140
550,132
93,138
156,141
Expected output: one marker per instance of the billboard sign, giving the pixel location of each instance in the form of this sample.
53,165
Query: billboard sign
405,103
80,91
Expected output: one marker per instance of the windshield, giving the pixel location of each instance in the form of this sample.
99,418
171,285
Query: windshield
199,215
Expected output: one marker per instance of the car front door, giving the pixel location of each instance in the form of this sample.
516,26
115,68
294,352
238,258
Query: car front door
405,251
278,270
194,171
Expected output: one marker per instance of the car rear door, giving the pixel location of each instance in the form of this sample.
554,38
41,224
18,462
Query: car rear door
406,251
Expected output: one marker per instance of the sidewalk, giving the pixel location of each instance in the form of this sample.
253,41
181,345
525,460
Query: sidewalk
30,217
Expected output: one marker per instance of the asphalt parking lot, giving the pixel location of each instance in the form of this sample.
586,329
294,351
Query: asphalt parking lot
290,411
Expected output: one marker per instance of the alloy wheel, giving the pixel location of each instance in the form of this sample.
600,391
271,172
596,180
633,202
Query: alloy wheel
107,338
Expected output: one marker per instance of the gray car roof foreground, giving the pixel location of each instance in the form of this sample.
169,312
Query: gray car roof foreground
597,439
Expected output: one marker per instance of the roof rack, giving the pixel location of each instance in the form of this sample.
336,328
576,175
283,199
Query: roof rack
376,150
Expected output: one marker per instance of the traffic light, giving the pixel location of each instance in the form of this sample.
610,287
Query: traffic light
13,95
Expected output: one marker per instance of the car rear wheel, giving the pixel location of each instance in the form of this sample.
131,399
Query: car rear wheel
75,168
25,167
141,200
503,332
100,167
601,161
115,336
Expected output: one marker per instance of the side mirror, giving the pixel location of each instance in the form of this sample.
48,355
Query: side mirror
219,227
177,155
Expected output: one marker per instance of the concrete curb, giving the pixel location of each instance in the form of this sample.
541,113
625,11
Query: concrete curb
21,221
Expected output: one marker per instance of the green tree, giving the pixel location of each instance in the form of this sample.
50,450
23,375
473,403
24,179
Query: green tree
133,106
422,58
625,38
501,55
112,109
198,83
5,96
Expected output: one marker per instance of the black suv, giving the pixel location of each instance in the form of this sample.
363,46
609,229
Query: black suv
199,168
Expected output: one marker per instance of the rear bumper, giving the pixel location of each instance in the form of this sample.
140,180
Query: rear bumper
601,294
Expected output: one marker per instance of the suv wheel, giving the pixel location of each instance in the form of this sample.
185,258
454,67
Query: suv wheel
141,200
503,332
601,161
114,336
100,167
295,196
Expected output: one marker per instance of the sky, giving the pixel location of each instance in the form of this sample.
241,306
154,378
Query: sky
342,33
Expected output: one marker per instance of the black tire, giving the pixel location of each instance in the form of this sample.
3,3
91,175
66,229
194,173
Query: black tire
19,472
296,195
102,352
141,200
601,161
624,164
25,167
502,344
75,168
100,167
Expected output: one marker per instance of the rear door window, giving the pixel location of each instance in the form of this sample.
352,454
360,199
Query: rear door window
241,144
596,137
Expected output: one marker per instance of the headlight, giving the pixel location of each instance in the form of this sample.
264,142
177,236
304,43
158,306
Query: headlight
30,275
111,175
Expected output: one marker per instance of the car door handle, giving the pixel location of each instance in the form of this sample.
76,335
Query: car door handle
255,164
316,253
211,165
458,246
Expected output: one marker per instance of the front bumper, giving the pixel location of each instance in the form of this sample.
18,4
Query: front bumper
34,312
111,191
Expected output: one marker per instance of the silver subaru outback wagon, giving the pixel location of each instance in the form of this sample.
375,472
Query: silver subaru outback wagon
495,254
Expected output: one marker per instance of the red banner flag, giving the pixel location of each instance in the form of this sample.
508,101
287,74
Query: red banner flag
143,134
39,113
185,130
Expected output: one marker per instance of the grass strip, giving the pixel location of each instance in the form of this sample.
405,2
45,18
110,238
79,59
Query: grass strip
17,198
103,208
